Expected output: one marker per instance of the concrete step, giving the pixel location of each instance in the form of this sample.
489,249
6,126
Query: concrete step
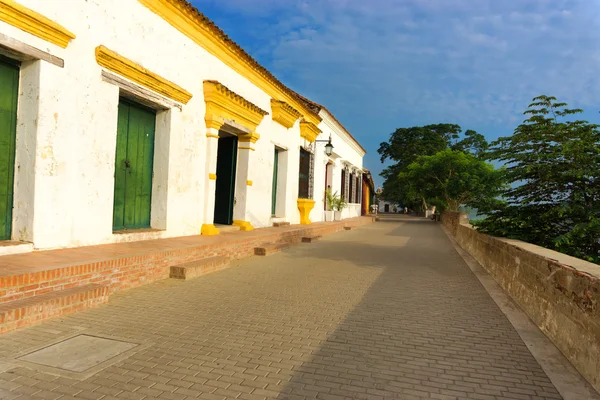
280,224
194,269
30,310
311,239
270,248
227,228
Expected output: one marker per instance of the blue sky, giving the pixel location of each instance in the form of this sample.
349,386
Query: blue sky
381,64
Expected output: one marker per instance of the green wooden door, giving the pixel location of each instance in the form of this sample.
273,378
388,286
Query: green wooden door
274,186
133,166
9,89
225,185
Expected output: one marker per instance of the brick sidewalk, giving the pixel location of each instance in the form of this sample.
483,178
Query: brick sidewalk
384,311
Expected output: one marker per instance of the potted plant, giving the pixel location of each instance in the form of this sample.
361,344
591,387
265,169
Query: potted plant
330,199
338,206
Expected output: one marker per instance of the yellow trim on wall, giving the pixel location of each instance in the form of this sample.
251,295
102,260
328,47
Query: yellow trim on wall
212,135
117,63
32,22
245,148
244,225
309,131
223,104
199,29
248,183
283,113
212,177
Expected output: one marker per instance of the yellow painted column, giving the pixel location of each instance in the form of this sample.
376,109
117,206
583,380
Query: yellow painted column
212,143
243,185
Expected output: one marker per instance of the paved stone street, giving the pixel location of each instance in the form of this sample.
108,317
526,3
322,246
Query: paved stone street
389,310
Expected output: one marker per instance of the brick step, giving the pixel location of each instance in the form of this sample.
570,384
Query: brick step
349,228
280,224
270,248
196,268
23,286
311,239
28,311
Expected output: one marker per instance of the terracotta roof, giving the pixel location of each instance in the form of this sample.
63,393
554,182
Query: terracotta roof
240,52
211,26
316,107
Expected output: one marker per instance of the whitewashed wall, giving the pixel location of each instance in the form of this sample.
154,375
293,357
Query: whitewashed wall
346,151
67,126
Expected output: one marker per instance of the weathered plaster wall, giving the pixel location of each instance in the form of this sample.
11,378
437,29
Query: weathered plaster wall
561,294
68,124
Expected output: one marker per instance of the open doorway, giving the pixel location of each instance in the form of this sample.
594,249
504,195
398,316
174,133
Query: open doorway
225,184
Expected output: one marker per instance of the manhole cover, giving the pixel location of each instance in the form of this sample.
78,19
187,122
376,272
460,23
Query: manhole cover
79,353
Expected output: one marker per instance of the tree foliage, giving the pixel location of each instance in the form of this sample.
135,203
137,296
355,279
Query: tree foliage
452,178
406,145
553,165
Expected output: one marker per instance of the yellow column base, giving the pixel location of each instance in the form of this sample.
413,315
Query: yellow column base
305,206
209,230
244,225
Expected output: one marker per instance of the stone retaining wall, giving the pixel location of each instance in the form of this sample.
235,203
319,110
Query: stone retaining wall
561,294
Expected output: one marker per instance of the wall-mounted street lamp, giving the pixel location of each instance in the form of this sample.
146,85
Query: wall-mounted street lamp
328,146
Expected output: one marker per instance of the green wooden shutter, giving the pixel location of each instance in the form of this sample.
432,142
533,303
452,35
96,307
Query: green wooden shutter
9,91
303,175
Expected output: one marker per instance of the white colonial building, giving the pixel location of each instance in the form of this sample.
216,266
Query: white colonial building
126,120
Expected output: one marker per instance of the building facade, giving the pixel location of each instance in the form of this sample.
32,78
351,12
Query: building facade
140,119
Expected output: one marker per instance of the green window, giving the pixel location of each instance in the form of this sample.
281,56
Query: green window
133,166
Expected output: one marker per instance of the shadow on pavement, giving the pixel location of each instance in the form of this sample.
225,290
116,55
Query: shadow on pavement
425,328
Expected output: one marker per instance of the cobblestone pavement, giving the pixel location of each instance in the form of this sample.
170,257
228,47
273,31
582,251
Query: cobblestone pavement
389,310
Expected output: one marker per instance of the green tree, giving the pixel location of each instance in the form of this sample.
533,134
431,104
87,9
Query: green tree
452,178
553,166
407,144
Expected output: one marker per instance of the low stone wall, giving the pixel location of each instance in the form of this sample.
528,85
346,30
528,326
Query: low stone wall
561,294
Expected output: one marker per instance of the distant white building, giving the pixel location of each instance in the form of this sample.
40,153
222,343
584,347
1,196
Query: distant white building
388,207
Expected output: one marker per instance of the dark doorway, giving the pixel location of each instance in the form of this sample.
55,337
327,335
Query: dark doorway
386,208
225,185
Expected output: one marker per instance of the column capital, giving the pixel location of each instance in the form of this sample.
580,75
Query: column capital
251,137
213,122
